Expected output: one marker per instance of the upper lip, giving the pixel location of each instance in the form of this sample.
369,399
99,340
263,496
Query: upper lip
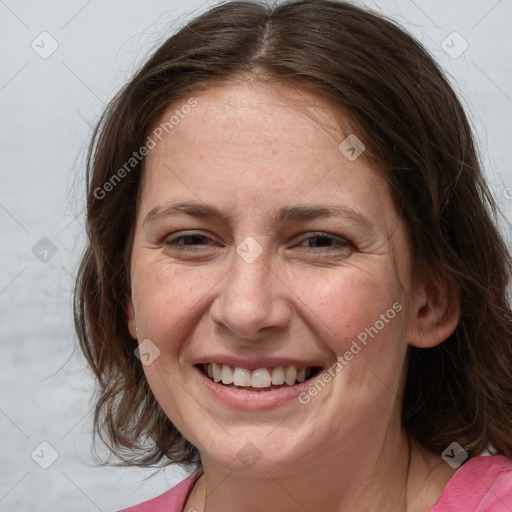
253,363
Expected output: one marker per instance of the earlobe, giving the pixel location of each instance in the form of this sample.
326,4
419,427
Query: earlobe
132,325
436,313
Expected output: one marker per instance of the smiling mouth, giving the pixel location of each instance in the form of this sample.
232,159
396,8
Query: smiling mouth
260,379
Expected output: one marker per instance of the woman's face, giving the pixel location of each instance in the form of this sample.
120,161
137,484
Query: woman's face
264,248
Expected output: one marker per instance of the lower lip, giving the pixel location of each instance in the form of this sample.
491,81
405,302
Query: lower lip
250,400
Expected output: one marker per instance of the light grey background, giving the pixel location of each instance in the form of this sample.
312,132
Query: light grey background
48,106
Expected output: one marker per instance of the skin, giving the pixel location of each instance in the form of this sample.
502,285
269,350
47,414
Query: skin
249,149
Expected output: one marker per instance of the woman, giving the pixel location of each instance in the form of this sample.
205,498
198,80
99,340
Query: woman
293,282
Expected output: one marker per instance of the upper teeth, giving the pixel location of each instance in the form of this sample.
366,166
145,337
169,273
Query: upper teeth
259,378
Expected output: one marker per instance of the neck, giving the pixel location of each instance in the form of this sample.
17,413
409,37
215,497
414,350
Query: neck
370,475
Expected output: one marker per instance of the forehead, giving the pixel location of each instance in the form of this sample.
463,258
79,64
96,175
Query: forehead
257,145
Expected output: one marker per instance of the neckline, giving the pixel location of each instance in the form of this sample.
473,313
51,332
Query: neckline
456,481
194,477
459,480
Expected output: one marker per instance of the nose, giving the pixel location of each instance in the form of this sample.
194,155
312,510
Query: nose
251,301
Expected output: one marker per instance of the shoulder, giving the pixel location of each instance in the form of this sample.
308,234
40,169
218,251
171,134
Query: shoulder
172,500
482,484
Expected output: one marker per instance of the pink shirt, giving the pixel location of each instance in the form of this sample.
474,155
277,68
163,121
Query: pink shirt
482,484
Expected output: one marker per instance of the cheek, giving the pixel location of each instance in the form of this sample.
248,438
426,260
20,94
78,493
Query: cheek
354,305
168,298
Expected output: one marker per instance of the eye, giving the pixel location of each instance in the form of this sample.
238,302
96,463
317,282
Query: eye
187,241
321,242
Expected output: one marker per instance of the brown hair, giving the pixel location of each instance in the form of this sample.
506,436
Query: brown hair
416,131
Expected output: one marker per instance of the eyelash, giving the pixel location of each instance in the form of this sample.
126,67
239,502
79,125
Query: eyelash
342,244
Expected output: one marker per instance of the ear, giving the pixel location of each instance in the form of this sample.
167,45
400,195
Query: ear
130,311
436,312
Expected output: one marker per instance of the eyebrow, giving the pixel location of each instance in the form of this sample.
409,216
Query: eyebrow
285,214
